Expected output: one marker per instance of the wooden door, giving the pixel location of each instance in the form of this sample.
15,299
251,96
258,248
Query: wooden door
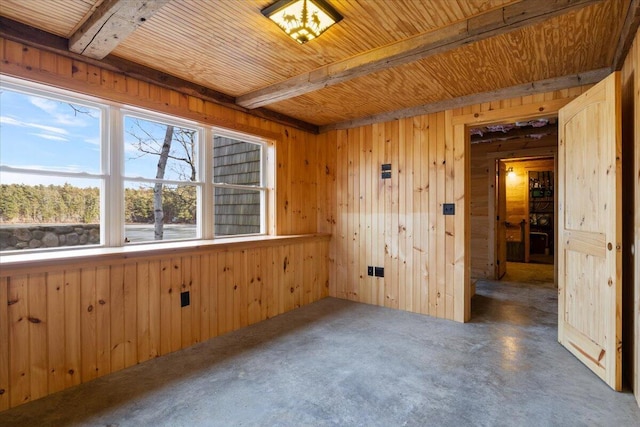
589,230
501,219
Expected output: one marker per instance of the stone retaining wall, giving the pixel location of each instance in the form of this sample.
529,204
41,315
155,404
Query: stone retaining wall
15,237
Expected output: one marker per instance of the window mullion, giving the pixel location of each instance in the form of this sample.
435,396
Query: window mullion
114,193
206,168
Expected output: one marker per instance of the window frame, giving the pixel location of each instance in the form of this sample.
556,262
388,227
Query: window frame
112,174
262,188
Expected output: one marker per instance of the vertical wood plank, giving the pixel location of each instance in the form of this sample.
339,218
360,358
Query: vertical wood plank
20,381
425,215
196,284
130,315
440,220
72,346
142,311
117,317
175,310
4,343
433,215
165,306
186,312
88,324
38,352
103,320
449,225
56,339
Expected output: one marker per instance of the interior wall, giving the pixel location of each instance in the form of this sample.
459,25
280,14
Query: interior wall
64,324
398,223
631,217
74,321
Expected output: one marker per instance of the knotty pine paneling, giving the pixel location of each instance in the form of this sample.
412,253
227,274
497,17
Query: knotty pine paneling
394,223
299,180
77,322
398,223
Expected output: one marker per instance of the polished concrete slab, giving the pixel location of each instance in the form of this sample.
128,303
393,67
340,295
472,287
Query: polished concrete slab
339,363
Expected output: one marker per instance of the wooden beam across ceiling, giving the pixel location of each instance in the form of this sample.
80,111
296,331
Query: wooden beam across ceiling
474,29
110,24
540,86
30,36
628,33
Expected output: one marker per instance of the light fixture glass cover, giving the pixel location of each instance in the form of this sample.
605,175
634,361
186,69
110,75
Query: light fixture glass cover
302,20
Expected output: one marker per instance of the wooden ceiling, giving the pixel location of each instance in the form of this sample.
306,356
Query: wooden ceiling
384,57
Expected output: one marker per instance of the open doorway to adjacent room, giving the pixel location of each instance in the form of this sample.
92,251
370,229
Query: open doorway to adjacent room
513,204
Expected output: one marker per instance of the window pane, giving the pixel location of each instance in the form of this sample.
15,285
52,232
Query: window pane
237,211
45,134
176,220
236,162
157,150
47,212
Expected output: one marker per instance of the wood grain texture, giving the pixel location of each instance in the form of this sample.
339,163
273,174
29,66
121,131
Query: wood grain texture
445,39
110,24
429,159
79,322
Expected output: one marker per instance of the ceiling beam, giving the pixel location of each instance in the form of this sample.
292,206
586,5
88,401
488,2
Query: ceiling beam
474,29
110,24
30,36
628,33
540,86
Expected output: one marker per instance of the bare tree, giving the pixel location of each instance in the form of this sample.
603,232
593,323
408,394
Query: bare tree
148,144
158,211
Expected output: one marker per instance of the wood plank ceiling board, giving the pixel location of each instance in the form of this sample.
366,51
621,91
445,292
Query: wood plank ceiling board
229,46
579,41
59,17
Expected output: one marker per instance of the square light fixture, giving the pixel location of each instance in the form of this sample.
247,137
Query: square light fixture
302,20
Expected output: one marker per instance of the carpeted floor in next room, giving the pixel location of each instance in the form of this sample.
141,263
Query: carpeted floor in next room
340,363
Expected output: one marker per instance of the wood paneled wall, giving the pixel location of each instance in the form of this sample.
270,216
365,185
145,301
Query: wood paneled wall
66,325
518,187
398,223
298,178
631,205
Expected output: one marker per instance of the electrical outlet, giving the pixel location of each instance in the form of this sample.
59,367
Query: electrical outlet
184,299
370,270
379,272
449,209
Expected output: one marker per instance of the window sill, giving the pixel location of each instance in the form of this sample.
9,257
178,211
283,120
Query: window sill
46,261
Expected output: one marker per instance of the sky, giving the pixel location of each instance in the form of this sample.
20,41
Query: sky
44,134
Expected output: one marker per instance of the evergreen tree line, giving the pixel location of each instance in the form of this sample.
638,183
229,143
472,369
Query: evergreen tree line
26,204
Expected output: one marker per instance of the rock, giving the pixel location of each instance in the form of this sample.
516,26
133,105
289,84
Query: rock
22,234
72,239
34,243
63,230
22,245
37,234
84,239
50,240
62,240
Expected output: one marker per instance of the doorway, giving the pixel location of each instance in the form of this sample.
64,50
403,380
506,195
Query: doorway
512,204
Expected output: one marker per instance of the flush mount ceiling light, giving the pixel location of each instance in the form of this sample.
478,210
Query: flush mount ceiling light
302,20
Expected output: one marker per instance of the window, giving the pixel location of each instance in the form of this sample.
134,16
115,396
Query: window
51,171
161,180
239,186
75,171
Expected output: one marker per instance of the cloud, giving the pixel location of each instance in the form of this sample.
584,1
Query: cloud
93,141
51,137
26,179
76,118
13,122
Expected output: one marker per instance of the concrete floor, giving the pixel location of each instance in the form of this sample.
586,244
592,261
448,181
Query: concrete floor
339,363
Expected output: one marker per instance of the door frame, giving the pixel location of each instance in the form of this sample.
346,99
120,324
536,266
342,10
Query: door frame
515,155
461,125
